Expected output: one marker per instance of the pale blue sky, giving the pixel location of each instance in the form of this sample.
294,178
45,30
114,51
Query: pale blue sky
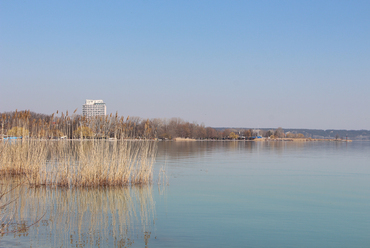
295,64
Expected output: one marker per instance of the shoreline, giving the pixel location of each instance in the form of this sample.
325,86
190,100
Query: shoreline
266,140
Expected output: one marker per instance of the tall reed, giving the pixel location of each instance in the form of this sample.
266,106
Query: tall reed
27,124
79,163
102,156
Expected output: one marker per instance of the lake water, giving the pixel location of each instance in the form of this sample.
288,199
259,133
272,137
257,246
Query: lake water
216,194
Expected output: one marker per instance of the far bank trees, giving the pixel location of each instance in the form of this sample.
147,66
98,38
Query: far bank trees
33,125
57,125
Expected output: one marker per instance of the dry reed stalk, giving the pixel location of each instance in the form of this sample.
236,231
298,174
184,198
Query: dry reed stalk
85,163
82,163
21,158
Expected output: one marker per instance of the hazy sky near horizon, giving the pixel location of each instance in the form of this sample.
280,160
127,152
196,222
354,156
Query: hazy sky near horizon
294,64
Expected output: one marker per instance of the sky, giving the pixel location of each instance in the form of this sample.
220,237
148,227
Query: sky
255,64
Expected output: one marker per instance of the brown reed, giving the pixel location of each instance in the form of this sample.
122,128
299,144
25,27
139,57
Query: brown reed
93,160
79,163
30,125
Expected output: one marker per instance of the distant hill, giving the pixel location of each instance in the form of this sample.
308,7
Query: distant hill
316,133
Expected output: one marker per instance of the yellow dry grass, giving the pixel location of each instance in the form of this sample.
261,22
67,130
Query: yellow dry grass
79,163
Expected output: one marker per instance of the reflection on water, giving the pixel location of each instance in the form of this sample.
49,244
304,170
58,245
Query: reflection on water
221,194
178,150
84,217
15,215
267,194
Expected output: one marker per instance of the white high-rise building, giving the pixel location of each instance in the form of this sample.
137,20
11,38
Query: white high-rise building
94,108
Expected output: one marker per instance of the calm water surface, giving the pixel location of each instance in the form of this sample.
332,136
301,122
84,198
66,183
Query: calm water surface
217,194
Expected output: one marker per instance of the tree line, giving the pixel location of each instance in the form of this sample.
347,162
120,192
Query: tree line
59,125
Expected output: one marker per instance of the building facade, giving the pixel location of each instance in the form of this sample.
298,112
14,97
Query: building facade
94,108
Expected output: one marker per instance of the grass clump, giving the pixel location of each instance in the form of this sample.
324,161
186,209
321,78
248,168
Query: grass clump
75,150
79,163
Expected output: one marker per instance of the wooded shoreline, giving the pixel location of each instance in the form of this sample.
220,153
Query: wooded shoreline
27,124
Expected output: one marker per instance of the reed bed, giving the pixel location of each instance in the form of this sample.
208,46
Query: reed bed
27,124
83,157
75,150
79,163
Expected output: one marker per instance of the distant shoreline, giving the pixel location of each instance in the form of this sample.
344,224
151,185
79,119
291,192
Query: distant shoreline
303,140
266,140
